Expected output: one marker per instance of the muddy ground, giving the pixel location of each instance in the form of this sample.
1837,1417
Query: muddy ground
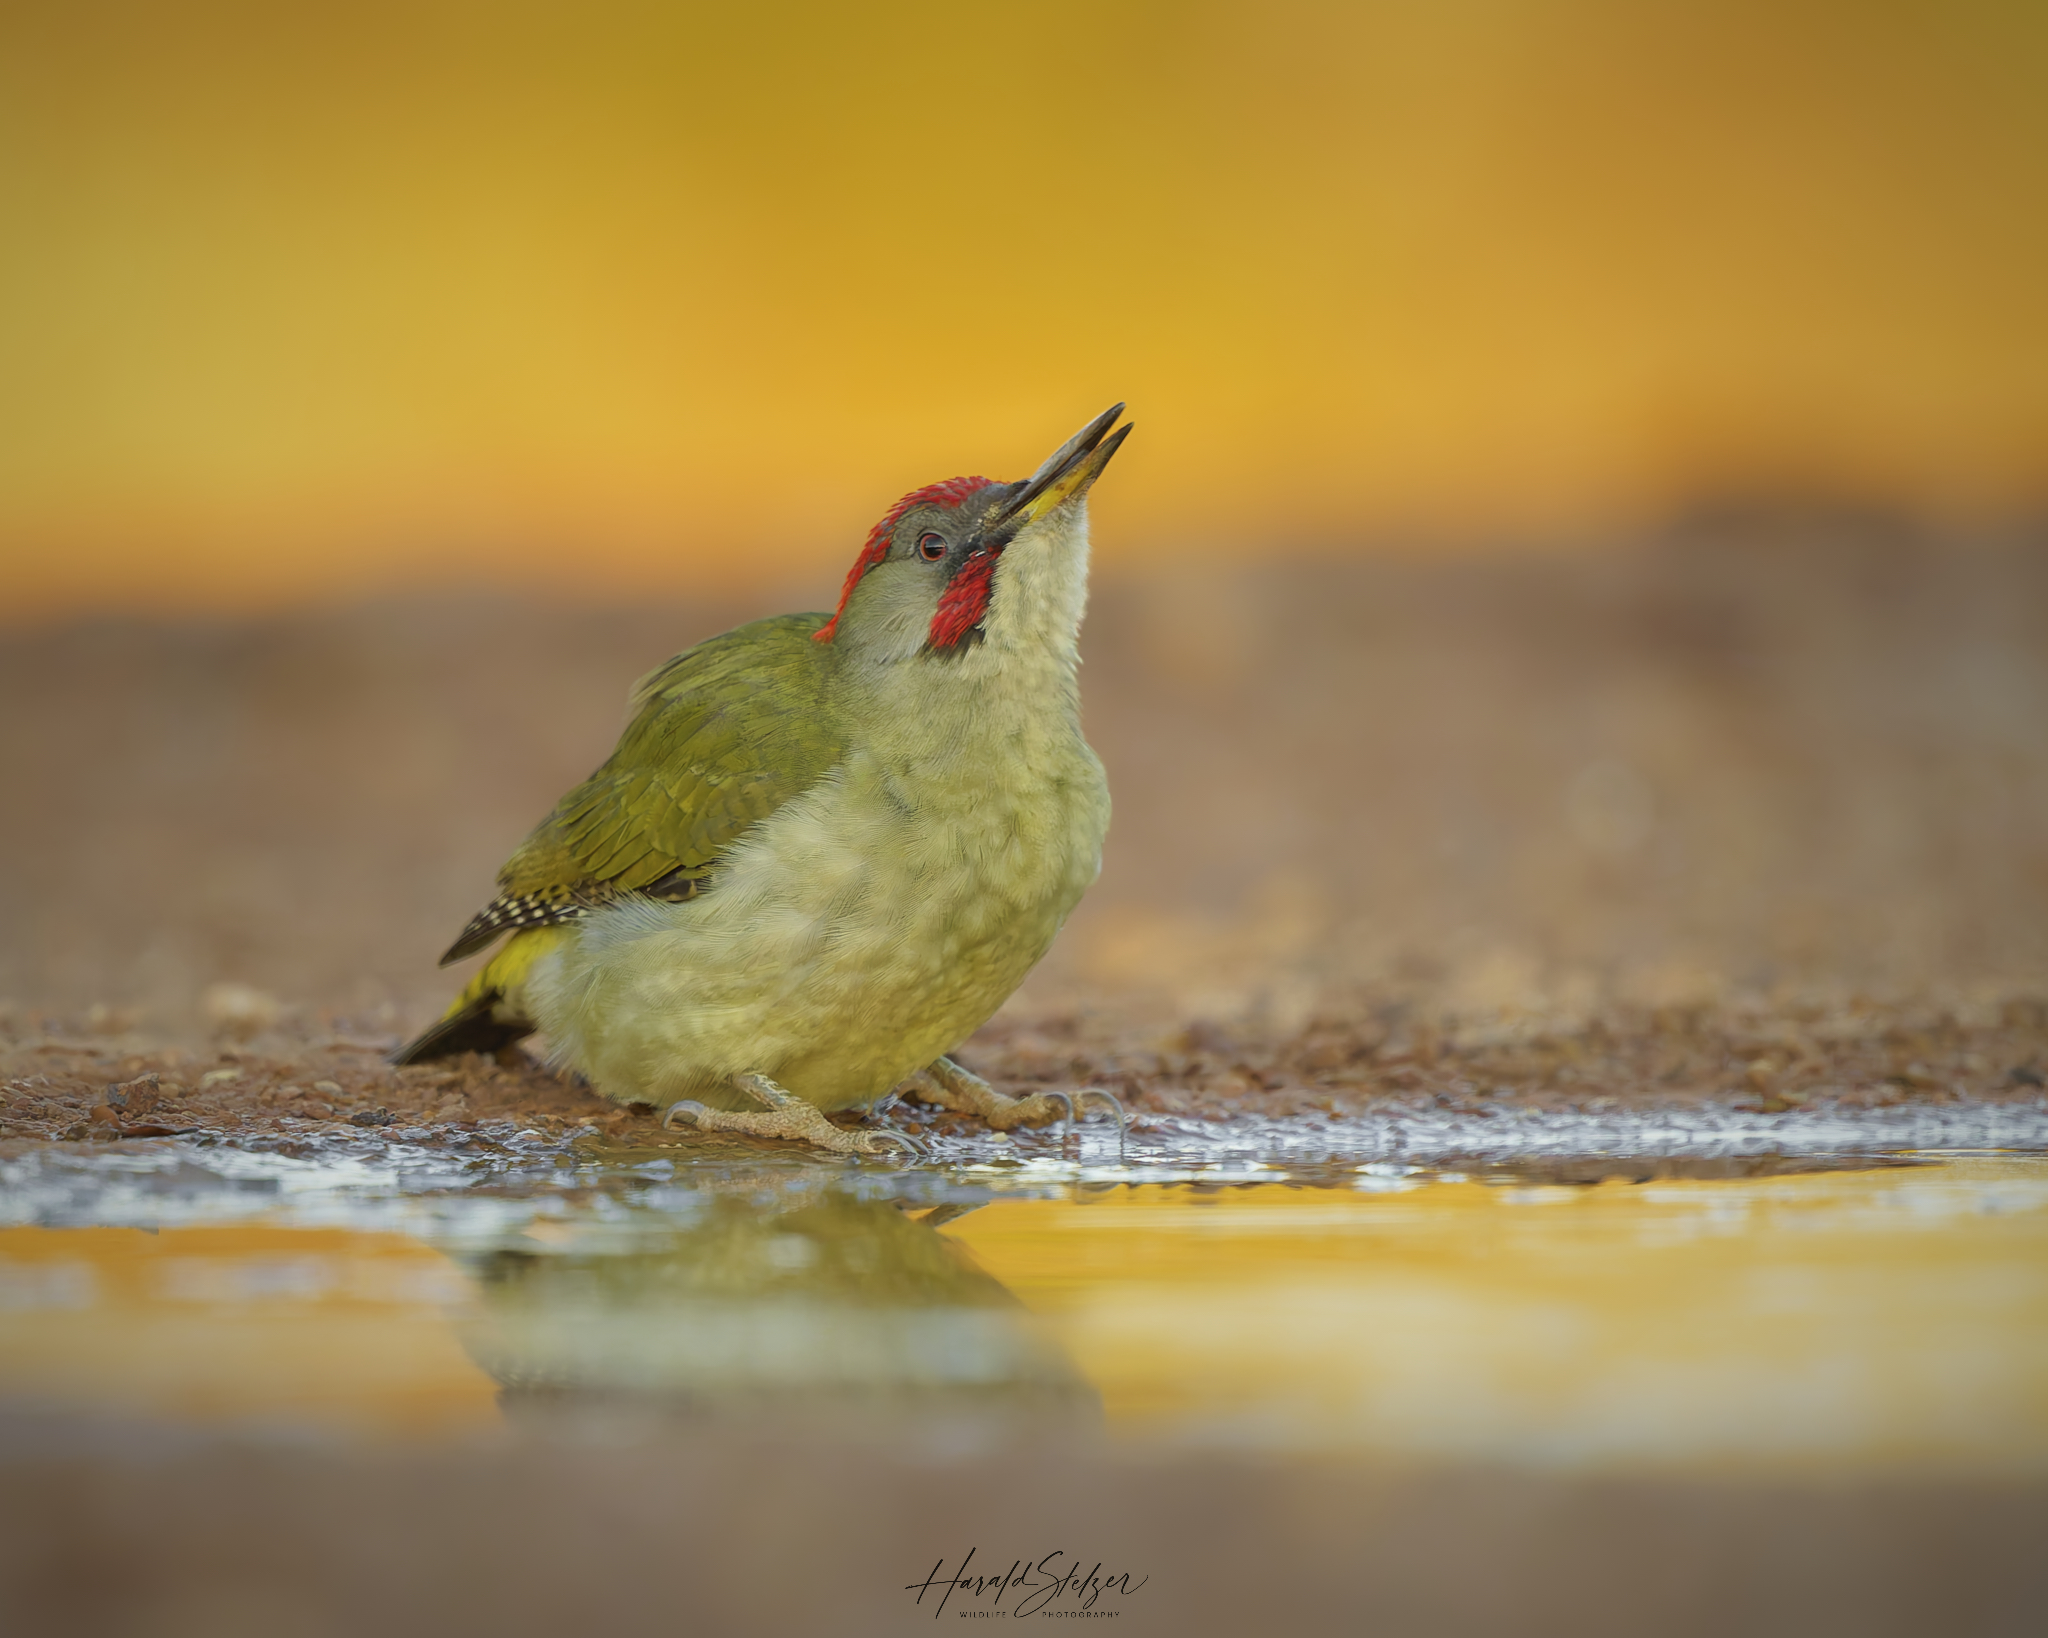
1770,1061
1757,813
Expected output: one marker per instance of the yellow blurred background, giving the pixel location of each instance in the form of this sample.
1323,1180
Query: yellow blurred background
313,301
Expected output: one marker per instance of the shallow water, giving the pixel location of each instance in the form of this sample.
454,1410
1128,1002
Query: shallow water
1693,1303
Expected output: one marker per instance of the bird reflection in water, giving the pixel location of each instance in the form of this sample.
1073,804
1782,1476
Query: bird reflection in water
824,1306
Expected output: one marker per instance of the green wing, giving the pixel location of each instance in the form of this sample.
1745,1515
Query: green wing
720,737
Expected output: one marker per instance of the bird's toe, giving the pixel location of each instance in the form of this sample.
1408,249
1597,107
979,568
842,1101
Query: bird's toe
878,1141
1114,1103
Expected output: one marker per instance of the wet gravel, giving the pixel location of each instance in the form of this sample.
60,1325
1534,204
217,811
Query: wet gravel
1370,1079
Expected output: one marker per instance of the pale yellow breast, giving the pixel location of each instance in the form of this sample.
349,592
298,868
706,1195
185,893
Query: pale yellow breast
855,935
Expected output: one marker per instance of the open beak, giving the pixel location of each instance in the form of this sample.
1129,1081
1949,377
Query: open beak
1073,467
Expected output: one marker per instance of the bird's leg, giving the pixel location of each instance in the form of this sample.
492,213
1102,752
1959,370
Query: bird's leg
949,1086
877,1116
787,1116
882,1105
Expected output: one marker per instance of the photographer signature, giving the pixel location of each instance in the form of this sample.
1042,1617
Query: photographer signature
1038,1585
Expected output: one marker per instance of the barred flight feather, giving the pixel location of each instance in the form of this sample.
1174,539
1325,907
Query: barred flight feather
521,912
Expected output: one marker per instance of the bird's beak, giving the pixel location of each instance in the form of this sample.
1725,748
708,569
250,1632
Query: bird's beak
1075,465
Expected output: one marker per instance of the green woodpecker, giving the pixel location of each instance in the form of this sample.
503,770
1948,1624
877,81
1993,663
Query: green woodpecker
826,849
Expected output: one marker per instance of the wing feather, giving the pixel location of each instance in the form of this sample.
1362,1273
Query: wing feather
717,739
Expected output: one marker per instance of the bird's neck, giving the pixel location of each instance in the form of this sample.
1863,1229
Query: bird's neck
1014,691
1040,592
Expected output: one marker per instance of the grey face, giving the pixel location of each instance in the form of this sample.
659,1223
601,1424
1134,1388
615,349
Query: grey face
937,573
940,539
892,612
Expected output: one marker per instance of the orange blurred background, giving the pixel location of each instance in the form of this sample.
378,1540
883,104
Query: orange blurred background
307,302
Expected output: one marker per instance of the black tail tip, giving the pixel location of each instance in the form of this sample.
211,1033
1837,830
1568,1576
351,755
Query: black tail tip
473,1029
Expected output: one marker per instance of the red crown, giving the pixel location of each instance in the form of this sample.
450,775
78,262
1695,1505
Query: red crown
949,493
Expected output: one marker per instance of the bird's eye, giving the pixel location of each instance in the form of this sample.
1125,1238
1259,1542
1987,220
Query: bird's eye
931,547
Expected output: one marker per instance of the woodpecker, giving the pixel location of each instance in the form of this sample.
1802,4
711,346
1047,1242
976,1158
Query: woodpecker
827,847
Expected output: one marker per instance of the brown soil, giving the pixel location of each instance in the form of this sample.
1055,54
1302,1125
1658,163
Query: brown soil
1757,814
1773,1060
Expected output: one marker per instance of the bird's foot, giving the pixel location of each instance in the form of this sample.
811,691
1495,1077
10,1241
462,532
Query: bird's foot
788,1116
949,1086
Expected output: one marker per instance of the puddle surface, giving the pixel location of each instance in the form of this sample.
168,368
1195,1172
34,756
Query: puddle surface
1698,1308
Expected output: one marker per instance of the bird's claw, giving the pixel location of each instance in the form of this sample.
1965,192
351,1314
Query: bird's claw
948,1085
1081,1097
811,1127
888,1134
1116,1107
1077,1100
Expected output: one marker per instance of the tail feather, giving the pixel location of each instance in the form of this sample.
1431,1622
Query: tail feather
472,1029
488,1015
